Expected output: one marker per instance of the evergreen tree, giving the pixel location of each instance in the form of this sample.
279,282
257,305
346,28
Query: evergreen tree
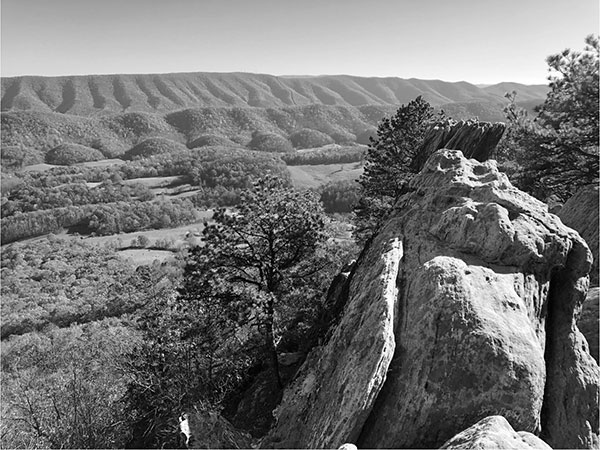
390,164
558,150
267,247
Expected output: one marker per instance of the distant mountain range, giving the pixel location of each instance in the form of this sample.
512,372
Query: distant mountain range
100,94
114,113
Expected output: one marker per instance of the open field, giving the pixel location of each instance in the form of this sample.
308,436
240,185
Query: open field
306,177
102,163
144,256
177,234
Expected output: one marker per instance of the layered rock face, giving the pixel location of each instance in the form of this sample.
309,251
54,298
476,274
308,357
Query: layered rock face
474,139
462,307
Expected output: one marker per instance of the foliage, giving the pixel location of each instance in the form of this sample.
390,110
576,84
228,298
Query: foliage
389,164
63,198
153,146
62,388
558,151
59,282
211,140
340,196
28,197
68,154
327,155
101,219
308,138
269,142
260,278
17,156
191,357
267,245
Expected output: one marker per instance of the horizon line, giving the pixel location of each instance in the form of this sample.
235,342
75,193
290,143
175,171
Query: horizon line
478,84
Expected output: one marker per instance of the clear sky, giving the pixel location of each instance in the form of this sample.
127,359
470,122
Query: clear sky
480,41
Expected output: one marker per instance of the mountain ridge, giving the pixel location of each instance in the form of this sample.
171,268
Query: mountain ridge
89,95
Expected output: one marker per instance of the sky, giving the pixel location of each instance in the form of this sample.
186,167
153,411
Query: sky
479,41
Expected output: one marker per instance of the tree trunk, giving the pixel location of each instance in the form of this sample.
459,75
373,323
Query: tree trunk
270,342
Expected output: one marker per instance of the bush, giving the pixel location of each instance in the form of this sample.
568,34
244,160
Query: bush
307,138
67,154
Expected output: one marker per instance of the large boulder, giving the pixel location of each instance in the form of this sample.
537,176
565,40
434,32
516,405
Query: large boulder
494,433
463,306
580,212
333,395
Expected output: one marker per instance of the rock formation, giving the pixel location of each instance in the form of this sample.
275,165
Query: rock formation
580,212
475,139
494,433
463,306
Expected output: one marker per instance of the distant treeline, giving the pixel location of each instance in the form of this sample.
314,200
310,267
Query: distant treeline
326,155
340,196
103,219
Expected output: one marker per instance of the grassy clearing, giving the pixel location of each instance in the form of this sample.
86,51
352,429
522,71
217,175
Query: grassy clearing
156,182
177,234
101,163
143,256
306,177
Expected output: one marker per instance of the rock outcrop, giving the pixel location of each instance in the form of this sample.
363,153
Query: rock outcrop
306,417
475,139
494,433
580,212
463,306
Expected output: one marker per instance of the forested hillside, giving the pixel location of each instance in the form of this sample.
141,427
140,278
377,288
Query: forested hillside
97,94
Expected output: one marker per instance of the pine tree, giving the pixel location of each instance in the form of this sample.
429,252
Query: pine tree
558,150
389,164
